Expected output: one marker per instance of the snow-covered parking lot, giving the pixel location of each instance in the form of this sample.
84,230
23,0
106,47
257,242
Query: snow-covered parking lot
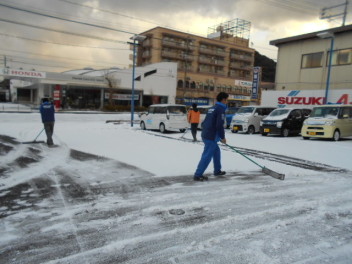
112,193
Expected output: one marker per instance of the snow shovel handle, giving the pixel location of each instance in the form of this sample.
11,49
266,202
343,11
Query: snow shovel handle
38,135
239,152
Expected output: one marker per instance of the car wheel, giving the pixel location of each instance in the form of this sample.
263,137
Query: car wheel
251,130
162,128
264,134
142,126
336,136
182,130
305,138
285,132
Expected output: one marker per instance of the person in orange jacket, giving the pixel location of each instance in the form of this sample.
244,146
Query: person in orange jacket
194,119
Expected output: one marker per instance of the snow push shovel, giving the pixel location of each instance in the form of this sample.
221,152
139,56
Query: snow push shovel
35,140
265,170
186,130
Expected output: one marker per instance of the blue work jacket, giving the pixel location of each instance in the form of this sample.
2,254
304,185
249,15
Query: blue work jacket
213,124
47,112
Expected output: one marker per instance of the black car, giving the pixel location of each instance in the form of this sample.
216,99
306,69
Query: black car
284,121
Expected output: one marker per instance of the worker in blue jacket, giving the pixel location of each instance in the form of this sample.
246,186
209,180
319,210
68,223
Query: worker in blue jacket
212,132
47,112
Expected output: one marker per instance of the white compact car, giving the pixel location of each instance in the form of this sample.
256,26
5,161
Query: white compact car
247,119
165,117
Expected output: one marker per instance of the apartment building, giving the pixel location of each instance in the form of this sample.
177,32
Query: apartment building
206,66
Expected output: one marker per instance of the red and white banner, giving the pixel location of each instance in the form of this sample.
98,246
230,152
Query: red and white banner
22,73
305,98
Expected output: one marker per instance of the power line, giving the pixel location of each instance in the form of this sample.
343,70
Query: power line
108,11
116,13
61,31
50,56
55,43
290,5
64,19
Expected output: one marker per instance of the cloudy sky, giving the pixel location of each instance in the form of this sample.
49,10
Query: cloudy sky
94,33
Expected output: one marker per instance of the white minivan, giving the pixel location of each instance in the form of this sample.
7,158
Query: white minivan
247,118
165,117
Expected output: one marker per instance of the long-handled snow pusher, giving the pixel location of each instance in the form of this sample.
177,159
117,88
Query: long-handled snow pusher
186,130
35,140
265,170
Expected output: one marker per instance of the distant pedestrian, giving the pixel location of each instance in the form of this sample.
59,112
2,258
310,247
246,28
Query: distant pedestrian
47,112
194,119
212,132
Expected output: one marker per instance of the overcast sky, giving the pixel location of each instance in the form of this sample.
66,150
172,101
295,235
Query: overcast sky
32,41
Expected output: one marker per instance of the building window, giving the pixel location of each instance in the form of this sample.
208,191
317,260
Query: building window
193,85
180,84
312,60
340,57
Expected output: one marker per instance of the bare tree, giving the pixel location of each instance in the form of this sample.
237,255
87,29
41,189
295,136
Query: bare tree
113,85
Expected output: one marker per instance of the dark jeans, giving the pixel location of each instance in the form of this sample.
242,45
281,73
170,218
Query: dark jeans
49,131
194,127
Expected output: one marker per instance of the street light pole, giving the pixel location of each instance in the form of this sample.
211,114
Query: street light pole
133,76
135,38
329,70
328,35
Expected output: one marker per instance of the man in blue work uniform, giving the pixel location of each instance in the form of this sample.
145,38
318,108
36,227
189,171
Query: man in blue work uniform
47,112
212,132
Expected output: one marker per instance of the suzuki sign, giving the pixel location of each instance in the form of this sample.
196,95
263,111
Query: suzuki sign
305,98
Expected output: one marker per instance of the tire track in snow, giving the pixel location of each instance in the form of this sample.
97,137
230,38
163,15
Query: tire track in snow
292,161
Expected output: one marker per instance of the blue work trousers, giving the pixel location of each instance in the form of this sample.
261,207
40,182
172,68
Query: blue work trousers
211,151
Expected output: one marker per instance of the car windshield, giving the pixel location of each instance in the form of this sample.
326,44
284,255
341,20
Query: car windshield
279,112
245,110
177,109
231,111
325,112
203,110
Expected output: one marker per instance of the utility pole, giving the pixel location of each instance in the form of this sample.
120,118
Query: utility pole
331,12
185,71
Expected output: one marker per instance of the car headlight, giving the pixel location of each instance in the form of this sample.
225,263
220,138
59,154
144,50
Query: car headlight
279,124
330,122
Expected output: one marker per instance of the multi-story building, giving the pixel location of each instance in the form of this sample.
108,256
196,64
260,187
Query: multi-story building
206,66
303,60
313,69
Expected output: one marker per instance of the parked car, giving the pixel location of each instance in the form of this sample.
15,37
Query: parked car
203,109
328,121
284,121
230,112
165,117
247,118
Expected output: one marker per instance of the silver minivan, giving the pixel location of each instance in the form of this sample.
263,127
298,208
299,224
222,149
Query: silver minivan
165,117
247,119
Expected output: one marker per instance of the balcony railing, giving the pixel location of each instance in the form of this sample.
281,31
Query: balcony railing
212,51
241,57
211,61
240,66
212,71
147,43
179,45
175,55
146,54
